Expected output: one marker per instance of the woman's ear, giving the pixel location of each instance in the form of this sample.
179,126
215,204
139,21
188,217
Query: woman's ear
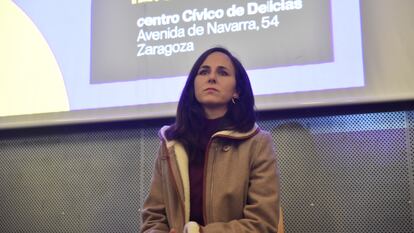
236,95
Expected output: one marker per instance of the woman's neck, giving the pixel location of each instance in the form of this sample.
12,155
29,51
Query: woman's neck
214,113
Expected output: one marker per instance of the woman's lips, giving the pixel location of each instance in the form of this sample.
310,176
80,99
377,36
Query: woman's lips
210,89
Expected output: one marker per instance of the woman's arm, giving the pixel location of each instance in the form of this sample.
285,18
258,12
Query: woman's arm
154,217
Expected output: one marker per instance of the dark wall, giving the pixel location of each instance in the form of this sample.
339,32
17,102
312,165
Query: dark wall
343,173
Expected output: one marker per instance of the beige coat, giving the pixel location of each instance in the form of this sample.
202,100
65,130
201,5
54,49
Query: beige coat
241,185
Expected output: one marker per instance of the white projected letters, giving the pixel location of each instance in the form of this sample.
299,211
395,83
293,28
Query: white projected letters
158,20
166,50
195,15
271,7
206,22
218,28
169,33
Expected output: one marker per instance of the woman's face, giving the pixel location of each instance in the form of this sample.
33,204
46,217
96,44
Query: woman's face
215,83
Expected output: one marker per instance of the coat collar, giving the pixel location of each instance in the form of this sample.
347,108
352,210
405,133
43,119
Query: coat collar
232,134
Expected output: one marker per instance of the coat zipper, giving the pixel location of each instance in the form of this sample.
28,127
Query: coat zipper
204,181
205,169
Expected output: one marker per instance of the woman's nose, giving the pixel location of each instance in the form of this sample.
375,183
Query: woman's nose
212,78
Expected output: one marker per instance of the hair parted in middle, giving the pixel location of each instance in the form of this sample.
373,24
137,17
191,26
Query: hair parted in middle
190,113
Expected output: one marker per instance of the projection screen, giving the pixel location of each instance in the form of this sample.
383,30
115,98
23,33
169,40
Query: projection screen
89,61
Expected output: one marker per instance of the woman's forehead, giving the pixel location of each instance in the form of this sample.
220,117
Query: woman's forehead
218,59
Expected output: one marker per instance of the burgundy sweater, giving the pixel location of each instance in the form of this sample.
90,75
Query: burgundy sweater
196,172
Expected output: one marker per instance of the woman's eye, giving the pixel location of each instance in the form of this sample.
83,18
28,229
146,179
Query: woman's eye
202,72
223,73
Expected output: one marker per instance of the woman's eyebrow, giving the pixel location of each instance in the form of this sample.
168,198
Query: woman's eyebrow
204,67
223,68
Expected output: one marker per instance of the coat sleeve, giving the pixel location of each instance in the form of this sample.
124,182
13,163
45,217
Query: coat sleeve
261,211
154,218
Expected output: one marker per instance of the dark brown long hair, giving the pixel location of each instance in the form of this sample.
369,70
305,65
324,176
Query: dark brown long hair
190,115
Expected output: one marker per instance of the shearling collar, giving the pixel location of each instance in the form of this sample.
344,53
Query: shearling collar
223,134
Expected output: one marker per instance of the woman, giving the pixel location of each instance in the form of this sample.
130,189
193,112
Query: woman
215,170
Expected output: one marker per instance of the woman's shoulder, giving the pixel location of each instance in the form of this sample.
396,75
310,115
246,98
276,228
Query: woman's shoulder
238,135
163,132
263,136
263,133
163,136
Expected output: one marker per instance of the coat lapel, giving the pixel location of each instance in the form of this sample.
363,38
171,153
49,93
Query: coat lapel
182,162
